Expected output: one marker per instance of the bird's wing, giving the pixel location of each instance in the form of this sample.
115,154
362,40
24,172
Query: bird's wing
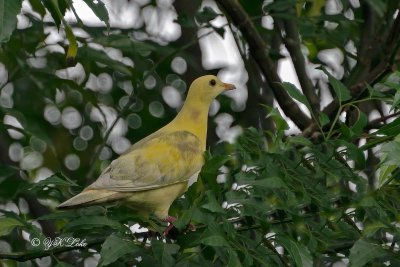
166,159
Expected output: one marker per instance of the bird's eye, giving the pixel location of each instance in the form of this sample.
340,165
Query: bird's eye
213,82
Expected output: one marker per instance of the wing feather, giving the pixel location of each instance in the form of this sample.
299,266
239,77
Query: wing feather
157,162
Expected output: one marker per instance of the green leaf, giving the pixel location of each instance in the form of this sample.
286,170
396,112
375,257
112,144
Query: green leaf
72,44
57,9
390,159
206,15
220,31
270,182
323,119
233,259
296,93
57,179
373,92
9,9
359,125
184,219
396,100
212,204
185,21
213,164
353,152
114,248
214,241
379,6
89,222
299,253
363,252
278,6
357,155
280,122
299,140
210,170
8,224
90,54
70,214
391,129
100,10
38,7
163,252
385,172
341,91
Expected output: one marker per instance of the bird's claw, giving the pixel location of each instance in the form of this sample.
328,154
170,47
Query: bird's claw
170,220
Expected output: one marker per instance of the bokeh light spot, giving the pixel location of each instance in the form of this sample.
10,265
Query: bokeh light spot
79,144
71,118
172,97
16,152
52,114
156,109
134,121
86,133
179,65
72,162
150,82
31,160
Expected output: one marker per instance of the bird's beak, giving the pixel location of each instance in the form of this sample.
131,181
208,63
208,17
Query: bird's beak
228,86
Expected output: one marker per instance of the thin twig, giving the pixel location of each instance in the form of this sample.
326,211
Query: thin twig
377,122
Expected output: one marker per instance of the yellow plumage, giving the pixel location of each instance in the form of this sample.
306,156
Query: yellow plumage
156,170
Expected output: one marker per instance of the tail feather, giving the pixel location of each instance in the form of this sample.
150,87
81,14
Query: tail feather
90,197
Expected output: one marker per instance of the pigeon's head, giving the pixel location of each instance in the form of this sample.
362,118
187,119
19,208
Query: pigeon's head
207,87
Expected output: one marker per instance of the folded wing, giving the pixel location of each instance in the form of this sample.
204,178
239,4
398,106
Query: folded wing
164,160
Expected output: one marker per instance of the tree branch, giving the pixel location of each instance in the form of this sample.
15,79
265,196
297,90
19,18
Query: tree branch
385,66
365,48
377,123
260,53
293,45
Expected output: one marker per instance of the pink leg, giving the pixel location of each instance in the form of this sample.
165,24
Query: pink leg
170,220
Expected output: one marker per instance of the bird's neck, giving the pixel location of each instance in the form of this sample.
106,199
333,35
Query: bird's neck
193,118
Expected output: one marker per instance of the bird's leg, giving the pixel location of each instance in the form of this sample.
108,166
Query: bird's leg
170,220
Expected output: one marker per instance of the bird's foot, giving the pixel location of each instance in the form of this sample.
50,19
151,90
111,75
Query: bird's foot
170,220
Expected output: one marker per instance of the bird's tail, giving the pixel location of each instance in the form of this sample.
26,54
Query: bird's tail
90,197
